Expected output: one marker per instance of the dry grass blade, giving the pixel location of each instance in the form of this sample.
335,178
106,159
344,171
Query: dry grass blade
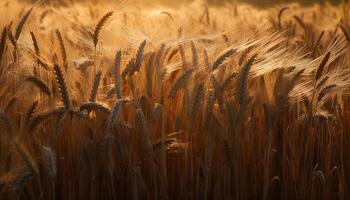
322,65
168,14
62,86
221,59
94,89
39,83
21,24
280,13
99,27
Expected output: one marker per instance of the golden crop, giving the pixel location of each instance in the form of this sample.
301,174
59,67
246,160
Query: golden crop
131,101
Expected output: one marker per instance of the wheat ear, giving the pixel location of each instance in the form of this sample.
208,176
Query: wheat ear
99,27
64,95
242,81
221,59
3,41
179,83
62,48
322,66
39,83
21,24
118,79
31,111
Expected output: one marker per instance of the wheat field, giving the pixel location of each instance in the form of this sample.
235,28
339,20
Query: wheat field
143,101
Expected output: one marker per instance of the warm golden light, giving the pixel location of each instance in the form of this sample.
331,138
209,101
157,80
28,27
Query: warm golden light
161,99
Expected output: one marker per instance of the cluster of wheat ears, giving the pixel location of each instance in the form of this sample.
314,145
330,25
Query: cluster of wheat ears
137,102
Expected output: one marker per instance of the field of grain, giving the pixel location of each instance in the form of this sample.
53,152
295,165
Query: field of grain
132,101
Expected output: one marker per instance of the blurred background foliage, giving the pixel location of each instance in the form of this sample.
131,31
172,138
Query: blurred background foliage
260,3
273,2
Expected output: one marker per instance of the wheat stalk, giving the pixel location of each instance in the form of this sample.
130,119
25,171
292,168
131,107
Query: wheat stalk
95,86
95,107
